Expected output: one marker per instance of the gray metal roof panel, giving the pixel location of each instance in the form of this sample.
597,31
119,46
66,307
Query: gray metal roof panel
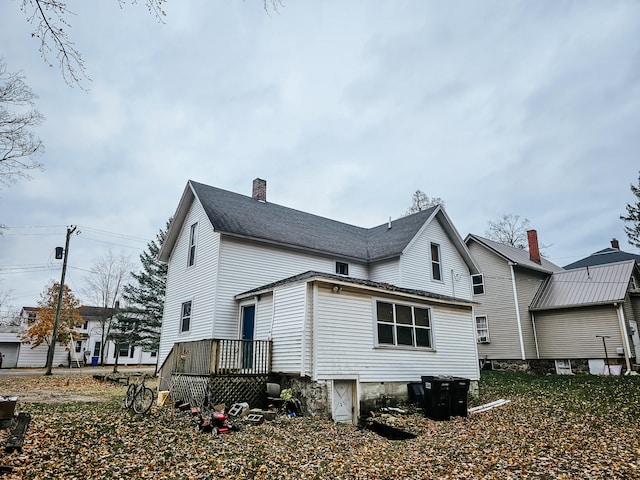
584,286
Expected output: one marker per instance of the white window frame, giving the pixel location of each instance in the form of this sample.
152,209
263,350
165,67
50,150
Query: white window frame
394,324
436,263
482,337
474,284
184,316
342,266
193,240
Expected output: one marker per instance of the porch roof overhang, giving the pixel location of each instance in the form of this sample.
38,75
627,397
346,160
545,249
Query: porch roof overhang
373,288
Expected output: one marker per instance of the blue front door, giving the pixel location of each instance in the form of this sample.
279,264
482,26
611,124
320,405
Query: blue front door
248,324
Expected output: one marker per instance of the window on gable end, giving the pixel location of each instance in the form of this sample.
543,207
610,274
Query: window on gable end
436,262
478,284
185,317
193,239
342,268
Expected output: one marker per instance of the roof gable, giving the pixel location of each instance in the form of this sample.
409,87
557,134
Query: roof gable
600,284
243,216
518,256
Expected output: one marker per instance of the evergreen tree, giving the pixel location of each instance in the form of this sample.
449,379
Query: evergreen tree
140,319
633,217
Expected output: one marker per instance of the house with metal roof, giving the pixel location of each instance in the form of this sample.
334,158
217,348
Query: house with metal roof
348,314
589,313
533,312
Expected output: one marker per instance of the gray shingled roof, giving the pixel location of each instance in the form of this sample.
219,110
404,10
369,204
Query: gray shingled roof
518,256
601,284
607,255
354,281
244,216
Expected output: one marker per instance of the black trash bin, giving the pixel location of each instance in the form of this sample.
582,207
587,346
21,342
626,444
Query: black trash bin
416,393
437,397
459,396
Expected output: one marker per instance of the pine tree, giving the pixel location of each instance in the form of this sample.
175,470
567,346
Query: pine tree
633,217
140,319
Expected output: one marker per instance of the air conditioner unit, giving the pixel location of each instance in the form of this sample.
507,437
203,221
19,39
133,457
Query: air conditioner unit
483,339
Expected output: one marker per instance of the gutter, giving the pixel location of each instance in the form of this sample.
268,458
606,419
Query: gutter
625,336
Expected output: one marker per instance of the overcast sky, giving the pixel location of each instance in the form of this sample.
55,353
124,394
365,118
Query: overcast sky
345,107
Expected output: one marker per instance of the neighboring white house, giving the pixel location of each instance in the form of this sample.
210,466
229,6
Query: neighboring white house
359,311
84,349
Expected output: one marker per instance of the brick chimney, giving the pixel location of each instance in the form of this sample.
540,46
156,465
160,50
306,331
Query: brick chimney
615,244
259,190
534,249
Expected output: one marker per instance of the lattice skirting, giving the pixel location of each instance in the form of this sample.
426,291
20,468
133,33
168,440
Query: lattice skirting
229,389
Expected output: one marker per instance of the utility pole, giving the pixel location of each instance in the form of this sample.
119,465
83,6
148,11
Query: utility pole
52,345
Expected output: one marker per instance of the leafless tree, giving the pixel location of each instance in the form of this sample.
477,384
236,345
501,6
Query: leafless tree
104,286
51,23
18,144
421,201
511,230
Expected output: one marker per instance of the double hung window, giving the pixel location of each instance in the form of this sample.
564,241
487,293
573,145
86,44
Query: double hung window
478,284
193,239
436,263
185,317
482,329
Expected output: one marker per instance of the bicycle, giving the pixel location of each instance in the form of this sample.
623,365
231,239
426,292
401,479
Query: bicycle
139,397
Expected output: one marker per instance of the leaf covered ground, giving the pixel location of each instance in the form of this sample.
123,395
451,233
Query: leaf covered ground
556,427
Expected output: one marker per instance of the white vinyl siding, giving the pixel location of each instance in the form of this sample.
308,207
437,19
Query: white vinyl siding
290,315
246,265
196,283
415,264
571,333
387,271
344,326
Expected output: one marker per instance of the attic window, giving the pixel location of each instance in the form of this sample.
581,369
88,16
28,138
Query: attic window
193,238
342,268
436,263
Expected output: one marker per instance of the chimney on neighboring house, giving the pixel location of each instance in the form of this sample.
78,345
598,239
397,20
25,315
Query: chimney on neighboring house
615,244
260,190
534,250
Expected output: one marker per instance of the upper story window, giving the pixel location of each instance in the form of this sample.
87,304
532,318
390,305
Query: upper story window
403,325
342,268
478,284
193,238
482,329
185,317
436,262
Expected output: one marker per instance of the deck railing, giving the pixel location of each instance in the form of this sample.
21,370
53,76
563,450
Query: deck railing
220,357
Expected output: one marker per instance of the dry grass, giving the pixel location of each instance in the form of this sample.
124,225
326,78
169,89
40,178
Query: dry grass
555,427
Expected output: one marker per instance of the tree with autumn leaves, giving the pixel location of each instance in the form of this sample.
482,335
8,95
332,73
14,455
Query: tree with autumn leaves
40,328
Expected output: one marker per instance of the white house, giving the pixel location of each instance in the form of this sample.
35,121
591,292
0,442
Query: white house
359,312
85,347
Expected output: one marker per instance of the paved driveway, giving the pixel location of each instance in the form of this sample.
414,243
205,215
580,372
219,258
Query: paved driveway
22,372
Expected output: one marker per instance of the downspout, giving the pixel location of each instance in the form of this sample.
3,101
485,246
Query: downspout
535,334
625,336
515,297
304,329
273,315
314,352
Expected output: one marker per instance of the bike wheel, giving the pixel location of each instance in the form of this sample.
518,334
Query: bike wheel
129,396
143,401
